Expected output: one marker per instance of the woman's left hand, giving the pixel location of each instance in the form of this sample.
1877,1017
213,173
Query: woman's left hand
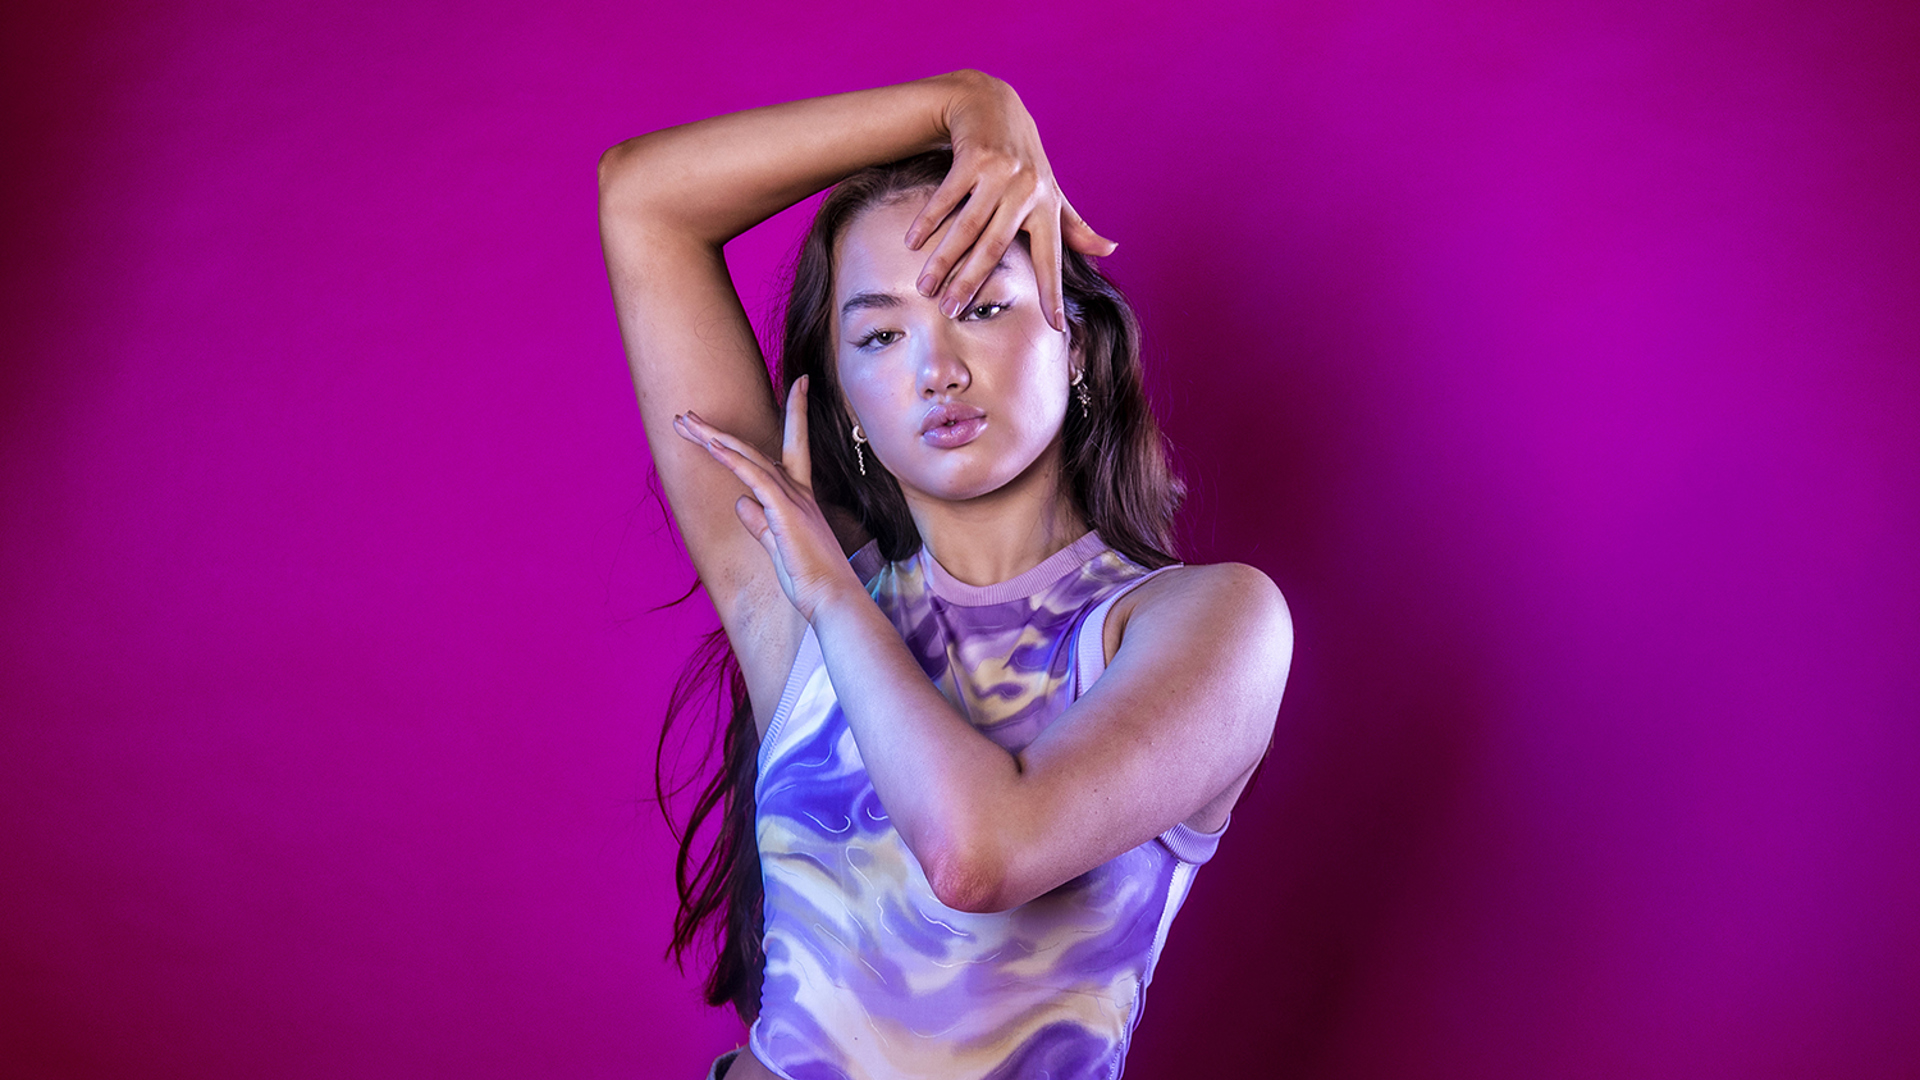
781,512
1001,172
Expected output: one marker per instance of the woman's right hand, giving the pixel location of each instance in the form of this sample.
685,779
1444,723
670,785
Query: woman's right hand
1001,170
779,510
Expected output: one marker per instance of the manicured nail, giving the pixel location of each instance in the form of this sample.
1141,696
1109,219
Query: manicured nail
926,284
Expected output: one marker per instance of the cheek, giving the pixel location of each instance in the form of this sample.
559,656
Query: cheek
857,388
871,397
1044,388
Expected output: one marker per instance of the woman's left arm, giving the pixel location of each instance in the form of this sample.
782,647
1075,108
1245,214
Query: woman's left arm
1184,709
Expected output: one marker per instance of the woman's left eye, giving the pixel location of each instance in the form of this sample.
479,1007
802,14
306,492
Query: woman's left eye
987,310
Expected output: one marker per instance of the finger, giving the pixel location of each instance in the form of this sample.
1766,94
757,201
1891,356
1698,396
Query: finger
754,517
685,430
958,182
962,234
1043,232
764,483
795,453
980,262
704,432
1080,236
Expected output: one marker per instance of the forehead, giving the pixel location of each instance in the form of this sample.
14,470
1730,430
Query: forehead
872,254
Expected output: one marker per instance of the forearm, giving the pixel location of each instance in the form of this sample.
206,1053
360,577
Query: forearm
716,178
943,783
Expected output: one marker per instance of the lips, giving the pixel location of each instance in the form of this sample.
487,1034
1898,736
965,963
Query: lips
952,424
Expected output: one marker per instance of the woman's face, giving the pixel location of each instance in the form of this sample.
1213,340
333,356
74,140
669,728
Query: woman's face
954,408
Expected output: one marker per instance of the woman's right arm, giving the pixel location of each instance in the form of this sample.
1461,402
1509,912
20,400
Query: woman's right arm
669,200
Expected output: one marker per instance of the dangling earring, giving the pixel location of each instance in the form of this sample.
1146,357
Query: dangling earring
859,440
1079,384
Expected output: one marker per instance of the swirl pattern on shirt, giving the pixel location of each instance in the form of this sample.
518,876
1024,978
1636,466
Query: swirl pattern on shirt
868,975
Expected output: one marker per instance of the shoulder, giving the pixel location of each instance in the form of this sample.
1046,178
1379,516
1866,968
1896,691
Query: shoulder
1226,607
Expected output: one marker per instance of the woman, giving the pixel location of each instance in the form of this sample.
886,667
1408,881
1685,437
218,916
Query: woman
970,851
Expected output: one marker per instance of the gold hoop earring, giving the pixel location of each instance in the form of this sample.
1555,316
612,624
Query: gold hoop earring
859,440
1079,384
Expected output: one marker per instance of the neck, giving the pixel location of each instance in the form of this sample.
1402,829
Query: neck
1005,533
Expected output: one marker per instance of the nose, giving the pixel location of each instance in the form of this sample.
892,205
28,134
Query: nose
942,369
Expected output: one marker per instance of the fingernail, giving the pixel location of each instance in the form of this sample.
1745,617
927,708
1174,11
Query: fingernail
925,285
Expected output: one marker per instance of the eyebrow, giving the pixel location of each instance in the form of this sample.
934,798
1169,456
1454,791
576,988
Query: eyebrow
865,300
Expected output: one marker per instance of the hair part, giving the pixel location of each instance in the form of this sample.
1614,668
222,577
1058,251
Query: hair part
1114,468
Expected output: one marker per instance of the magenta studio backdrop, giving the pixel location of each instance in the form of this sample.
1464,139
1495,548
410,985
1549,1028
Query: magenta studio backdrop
1559,360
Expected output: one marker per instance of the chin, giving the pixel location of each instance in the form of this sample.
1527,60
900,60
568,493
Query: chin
968,480
956,489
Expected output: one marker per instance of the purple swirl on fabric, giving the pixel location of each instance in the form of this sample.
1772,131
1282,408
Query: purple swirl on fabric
868,974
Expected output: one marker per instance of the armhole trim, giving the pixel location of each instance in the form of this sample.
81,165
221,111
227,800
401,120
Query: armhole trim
1187,844
867,563
1090,650
805,663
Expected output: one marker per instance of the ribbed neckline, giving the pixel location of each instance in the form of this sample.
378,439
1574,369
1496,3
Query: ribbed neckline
1049,570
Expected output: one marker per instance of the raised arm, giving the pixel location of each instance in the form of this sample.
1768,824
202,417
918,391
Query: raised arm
669,200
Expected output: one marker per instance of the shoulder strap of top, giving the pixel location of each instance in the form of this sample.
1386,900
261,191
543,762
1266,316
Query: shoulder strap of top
867,561
1090,649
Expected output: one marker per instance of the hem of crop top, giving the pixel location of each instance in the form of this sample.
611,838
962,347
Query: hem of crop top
1185,843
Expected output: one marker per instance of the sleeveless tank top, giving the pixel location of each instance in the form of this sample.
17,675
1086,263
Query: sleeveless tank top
869,976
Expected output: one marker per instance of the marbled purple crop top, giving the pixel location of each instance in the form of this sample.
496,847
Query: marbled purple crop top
869,976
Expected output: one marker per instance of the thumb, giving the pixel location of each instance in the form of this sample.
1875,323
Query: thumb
754,517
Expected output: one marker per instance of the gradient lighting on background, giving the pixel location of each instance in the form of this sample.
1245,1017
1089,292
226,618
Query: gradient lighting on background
1558,360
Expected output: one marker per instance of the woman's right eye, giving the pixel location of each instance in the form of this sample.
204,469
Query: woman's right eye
877,337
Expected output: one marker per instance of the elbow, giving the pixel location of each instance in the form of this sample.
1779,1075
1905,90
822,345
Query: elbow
970,880
616,171
630,175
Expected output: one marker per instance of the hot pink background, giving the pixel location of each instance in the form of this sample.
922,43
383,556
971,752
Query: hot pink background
1558,360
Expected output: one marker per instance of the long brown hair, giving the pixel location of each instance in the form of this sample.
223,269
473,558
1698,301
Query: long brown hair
1115,470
